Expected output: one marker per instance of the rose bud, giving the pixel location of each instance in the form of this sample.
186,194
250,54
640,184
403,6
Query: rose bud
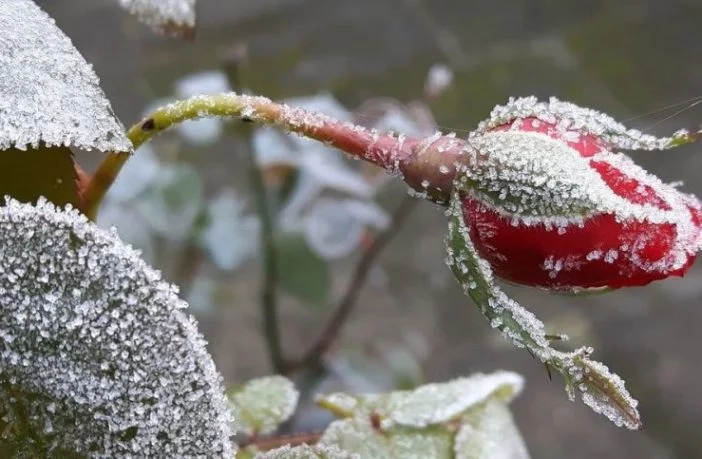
549,202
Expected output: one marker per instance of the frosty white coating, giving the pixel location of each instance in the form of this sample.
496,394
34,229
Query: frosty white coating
48,93
96,348
491,434
586,120
162,13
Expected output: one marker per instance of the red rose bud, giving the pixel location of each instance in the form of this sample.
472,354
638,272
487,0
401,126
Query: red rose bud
550,204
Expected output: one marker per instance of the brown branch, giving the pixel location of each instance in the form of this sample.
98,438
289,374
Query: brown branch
348,301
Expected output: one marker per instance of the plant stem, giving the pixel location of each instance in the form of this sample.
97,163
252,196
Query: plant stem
416,159
349,300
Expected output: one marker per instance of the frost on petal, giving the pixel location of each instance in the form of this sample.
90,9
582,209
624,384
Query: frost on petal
599,389
171,16
569,116
306,452
48,93
98,358
230,236
263,404
491,434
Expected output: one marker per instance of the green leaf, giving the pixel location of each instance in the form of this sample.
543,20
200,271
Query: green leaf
302,273
261,405
44,171
600,389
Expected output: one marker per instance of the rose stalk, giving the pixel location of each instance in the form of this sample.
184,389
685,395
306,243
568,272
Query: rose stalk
536,195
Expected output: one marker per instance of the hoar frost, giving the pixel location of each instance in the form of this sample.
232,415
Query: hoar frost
48,93
97,356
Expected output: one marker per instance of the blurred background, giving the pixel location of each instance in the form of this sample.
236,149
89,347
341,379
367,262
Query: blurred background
411,66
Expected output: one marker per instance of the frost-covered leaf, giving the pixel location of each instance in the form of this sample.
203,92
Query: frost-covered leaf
603,391
357,435
96,353
48,93
307,452
302,272
263,404
490,434
175,17
429,404
230,236
174,202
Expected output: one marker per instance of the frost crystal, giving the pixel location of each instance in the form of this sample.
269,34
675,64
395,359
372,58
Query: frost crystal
48,93
97,356
572,117
175,16
263,404
598,388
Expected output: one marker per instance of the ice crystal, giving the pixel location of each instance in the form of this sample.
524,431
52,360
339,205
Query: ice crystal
97,356
174,16
263,404
48,93
598,388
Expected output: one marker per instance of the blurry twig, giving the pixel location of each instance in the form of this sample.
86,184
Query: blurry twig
269,289
313,356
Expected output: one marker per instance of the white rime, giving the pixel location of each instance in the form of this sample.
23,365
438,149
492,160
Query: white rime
97,357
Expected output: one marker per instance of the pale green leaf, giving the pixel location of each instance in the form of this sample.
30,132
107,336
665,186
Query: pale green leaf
490,433
261,405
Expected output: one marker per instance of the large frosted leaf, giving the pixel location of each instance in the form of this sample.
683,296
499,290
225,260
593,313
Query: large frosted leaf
171,16
97,356
599,388
263,404
48,93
